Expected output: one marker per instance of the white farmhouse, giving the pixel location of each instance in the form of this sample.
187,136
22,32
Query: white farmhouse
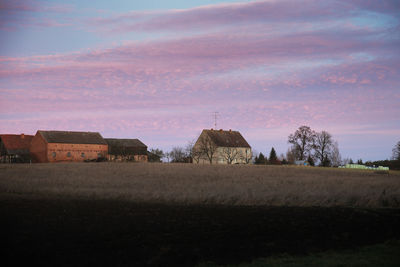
221,147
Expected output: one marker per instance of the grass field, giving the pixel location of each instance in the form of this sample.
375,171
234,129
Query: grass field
194,184
121,214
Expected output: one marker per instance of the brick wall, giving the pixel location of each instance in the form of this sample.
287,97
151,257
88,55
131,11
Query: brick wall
75,152
38,149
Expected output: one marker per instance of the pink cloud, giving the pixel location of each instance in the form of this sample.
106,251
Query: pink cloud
16,14
238,13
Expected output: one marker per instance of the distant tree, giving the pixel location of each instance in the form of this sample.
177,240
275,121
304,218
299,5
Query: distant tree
273,159
326,162
396,152
207,147
230,154
302,141
247,156
190,153
196,155
323,146
351,161
189,148
310,160
178,154
167,155
291,155
261,159
282,159
346,161
360,162
155,155
336,158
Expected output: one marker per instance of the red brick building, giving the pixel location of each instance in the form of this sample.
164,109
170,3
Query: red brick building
62,146
15,148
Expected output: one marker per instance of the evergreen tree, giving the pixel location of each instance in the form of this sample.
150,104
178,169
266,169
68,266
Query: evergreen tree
360,162
310,161
273,159
326,162
261,159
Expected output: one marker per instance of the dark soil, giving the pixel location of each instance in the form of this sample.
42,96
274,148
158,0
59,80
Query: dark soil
60,232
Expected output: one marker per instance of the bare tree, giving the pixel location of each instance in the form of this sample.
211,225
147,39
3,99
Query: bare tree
167,155
196,154
207,147
177,154
396,152
230,154
155,155
189,148
336,158
247,156
291,155
323,145
302,141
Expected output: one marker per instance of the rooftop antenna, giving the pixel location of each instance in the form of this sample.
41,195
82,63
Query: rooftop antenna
215,119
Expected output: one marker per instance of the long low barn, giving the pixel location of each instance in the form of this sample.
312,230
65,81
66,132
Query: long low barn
126,150
59,146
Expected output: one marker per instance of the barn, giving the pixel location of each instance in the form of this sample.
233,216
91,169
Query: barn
14,148
126,150
221,147
64,146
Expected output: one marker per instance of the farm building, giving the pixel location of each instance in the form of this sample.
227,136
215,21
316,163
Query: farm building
15,148
221,147
126,150
59,146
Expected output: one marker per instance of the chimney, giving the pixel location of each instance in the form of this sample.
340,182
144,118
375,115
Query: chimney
212,129
220,130
22,136
230,130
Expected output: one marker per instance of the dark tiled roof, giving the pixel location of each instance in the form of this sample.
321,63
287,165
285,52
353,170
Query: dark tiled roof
16,143
227,138
73,137
126,146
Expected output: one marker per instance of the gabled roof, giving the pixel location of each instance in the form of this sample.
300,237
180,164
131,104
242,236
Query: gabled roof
125,142
73,137
126,146
226,138
16,143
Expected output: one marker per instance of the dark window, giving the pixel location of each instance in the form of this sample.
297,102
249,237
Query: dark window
69,154
54,154
99,155
82,155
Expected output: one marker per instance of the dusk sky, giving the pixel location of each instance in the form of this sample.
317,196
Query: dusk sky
157,70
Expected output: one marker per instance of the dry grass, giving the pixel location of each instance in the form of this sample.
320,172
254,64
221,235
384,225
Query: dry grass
203,184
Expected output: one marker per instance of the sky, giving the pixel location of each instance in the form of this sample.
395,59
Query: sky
158,70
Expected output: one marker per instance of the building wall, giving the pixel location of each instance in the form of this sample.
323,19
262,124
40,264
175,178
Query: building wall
57,152
38,149
220,158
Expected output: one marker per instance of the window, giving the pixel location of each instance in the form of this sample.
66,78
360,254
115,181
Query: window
53,154
69,154
99,155
82,155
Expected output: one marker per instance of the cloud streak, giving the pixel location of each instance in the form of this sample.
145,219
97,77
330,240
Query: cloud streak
277,12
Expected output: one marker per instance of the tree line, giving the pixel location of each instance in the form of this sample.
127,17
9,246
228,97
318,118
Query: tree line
307,145
318,148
